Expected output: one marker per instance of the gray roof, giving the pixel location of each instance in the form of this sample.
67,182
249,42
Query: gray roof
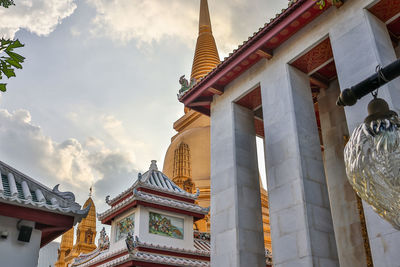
156,180
19,189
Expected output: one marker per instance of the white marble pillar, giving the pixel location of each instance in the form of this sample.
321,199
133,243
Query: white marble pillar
236,221
301,222
359,45
345,214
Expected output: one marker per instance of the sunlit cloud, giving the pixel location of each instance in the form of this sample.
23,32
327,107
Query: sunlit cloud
37,16
149,21
73,164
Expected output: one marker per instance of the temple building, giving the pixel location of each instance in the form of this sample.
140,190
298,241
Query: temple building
187,159
282,84
31,216
85,237
152,225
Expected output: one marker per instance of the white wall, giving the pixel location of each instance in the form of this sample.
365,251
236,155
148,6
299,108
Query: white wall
48,254
142,229
14,253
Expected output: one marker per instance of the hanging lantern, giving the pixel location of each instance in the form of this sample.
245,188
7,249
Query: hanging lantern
372,159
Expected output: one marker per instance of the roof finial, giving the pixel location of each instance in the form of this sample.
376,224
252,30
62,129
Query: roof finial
206,55
90,191
153,165
204,21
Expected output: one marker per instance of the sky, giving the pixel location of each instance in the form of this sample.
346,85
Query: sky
96,98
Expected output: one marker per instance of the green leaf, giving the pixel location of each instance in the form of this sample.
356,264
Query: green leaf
3,87
14,63
15,56
6,3
9,72
14,44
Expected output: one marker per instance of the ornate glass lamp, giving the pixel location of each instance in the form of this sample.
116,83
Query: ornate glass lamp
372,159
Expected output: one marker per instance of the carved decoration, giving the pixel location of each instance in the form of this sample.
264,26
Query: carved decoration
185,86
104,240
165,225
182,173
314,58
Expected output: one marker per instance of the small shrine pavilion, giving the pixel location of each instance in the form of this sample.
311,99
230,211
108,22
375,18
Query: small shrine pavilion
31,216
151,225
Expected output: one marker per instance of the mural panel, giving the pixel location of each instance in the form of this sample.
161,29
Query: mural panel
125,226
165,225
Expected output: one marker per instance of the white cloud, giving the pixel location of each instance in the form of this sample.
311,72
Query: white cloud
37,16
144,20
75,165
149,21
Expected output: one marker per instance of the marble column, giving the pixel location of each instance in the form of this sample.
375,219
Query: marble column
359,45
343,200
300,217
236,221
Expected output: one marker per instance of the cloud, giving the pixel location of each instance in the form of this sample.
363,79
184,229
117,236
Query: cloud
143,20
75,165
37,16
148,21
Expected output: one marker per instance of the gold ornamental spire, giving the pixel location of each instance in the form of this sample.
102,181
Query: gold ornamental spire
206,55
67,242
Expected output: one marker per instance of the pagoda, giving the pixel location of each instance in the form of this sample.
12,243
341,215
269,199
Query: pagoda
187,159
85,237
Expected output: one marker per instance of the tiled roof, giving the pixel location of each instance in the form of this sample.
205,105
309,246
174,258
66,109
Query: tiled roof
167,260
156,180
152,258
103,255
19,189
202,245
154,199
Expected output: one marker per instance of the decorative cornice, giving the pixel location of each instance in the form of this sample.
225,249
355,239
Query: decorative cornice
153,199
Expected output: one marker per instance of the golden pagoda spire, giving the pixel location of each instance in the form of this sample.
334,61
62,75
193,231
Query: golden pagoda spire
67,241
86,232
206,55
